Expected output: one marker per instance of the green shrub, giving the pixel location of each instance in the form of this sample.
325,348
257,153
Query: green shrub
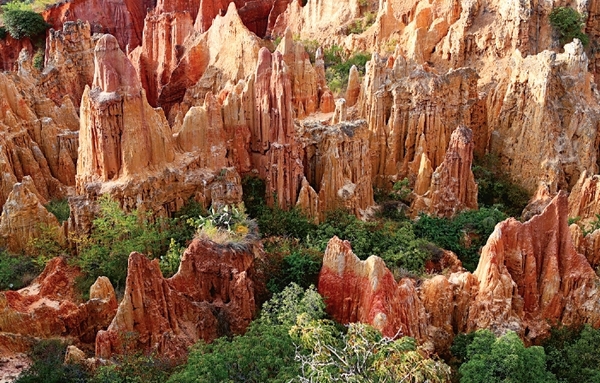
47,245
3,33
358,26
38,61
464,234
265,353
115,234
59,207
16,271
137,368
227,224
169,263
288,261
274,221
21,21
569,24
502,360
361,354
338,67
573,354
254,195
496,189
395,242
178,228
48,357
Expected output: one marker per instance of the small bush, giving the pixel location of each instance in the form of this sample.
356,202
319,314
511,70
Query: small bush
496,189
254,195
3,33
465,234
137,368
49,244
358,26
21,21
48,367
288,261
573,354
38,63
395,242
337,69
59,207
115,234
227,224
16,271
569,24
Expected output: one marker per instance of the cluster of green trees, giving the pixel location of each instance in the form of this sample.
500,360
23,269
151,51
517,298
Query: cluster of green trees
20,20
569,355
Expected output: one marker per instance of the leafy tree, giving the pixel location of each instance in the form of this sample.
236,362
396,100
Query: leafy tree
569,24
290,261
21,21
115,234
264,354
574,354
395,242
464,234
503,360
361,354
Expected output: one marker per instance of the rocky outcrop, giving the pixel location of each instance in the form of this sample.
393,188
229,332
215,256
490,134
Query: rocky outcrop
24,218
226,52
259,16
584,199
211,295
334,168
529,277
69,62
128,151
365,291
10,49
162,47
307,88
120,134
587,244
452,185
31,140
554,138
277,152
123,19
411,111
49,307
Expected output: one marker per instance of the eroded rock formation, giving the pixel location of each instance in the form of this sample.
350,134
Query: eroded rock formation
334,166
124,19
452,186
211,295
553,137
24,218
49,307
529,277
411,111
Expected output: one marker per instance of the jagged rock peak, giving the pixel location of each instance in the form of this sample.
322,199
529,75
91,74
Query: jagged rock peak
113,70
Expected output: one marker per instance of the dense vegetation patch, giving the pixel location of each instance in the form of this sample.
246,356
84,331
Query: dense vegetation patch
496,189
464,234
60,208
21,21
47,365
487,359
569,24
